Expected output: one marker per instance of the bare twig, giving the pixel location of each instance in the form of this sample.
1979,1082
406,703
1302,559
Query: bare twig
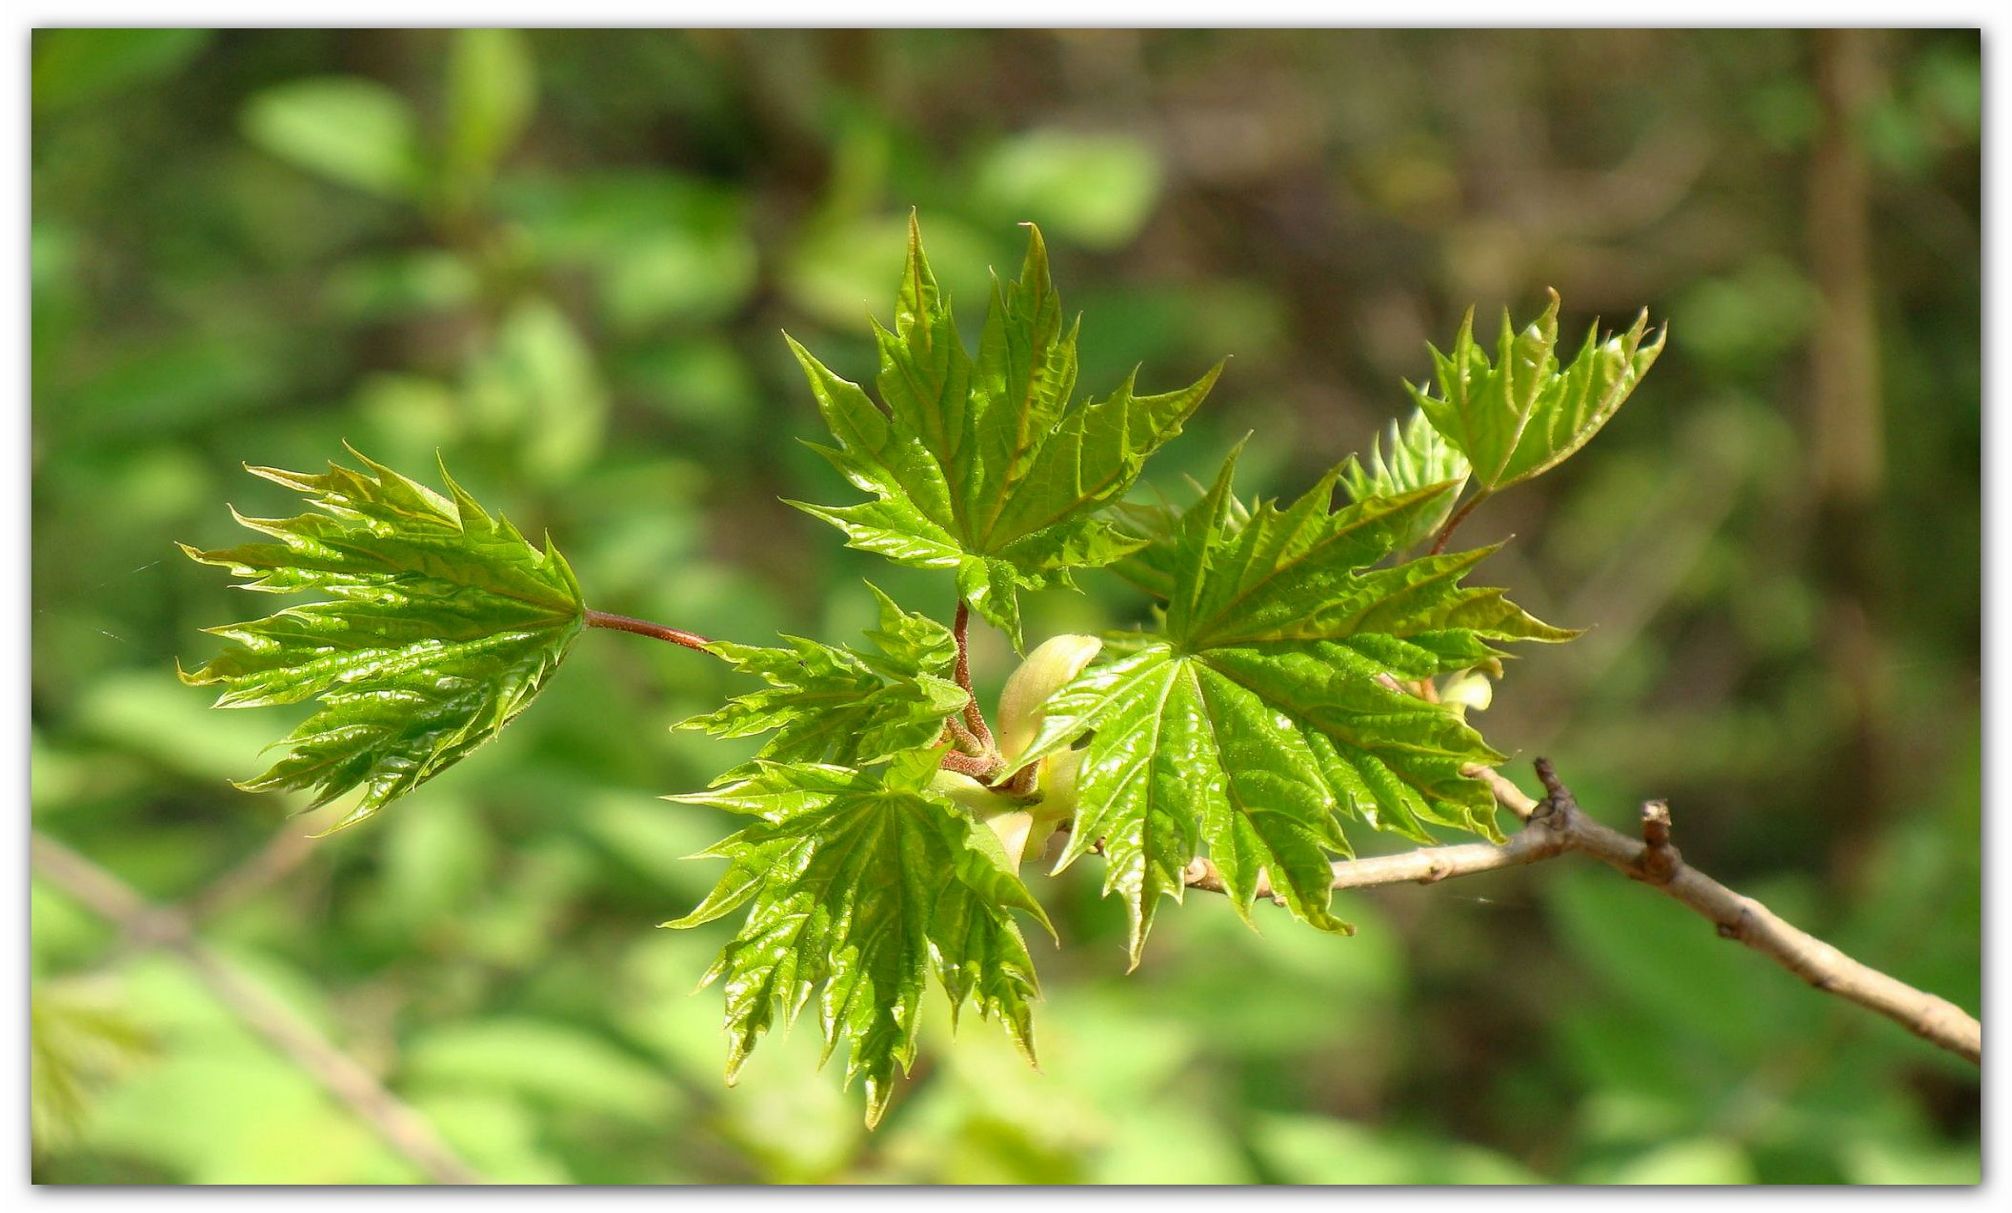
1556,825
401,1128
1739,917
1427,865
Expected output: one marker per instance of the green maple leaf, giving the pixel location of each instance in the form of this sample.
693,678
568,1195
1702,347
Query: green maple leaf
440,624
859,885
1419,457
1520,415
988,468
1269,705
832,704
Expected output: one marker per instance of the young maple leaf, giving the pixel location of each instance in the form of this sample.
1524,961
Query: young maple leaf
1521,415
1420,456
832,704
440,624
859,885
988,468
1270,702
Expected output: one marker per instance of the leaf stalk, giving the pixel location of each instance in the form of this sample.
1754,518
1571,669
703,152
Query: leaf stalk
643,627
1459,516
974,718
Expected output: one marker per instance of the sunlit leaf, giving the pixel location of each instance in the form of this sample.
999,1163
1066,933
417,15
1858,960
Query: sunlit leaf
492,88
830,704
1095,189
439,624
1272,702
1520,415
988,468
859,885
539,385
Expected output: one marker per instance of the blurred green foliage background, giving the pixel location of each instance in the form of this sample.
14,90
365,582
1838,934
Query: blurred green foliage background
562,259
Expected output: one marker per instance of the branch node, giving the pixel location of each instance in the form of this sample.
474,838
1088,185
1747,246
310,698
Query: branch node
961,737
159,928
1732,915
1659,862
1740,927
1558,805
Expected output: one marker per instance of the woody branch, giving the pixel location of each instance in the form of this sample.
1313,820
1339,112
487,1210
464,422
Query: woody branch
1556,825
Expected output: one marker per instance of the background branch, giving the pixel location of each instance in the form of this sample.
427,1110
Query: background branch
288,848
394,1121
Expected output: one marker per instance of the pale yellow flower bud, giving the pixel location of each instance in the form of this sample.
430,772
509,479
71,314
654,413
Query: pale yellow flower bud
1470,690
970,795
1058,784
1002,814
1013,830
1047,669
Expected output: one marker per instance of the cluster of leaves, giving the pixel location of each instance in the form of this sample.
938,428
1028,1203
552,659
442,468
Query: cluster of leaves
1288,683
1274,695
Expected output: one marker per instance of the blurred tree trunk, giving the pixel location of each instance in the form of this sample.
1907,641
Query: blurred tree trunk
1847,459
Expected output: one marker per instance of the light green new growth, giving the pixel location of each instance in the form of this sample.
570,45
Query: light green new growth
836,705
439,624
1521,415
1420,456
